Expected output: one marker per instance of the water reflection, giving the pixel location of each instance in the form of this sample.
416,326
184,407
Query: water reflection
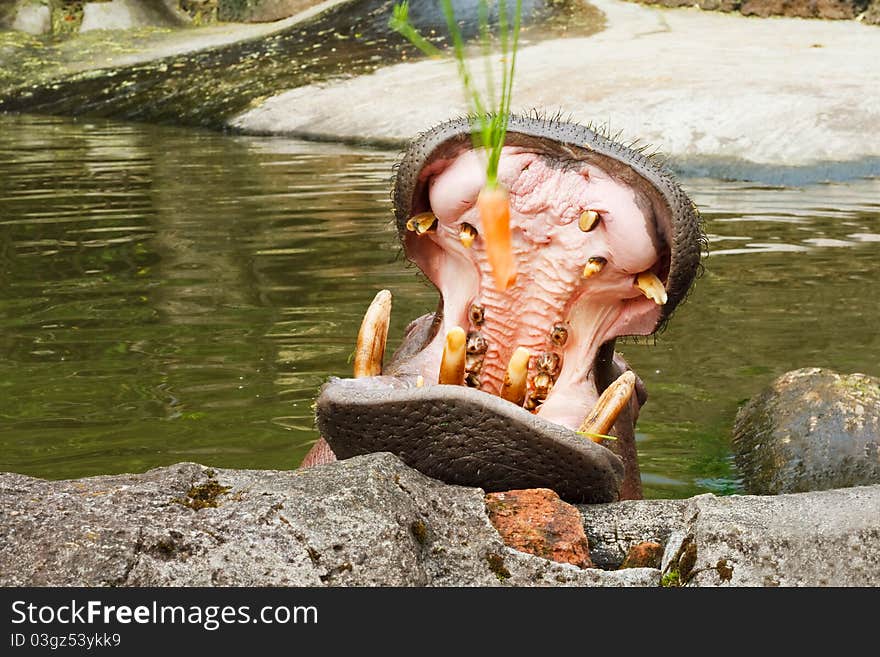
171,295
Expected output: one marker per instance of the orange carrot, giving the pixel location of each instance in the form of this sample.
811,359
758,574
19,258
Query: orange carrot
493,205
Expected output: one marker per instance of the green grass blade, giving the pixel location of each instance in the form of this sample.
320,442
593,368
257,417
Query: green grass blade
400,23
589,434
488,124
485,39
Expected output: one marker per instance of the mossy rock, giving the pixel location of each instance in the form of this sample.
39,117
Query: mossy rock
812,429
872,14
67,16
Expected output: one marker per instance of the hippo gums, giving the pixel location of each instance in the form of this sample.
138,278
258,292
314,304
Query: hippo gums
518,386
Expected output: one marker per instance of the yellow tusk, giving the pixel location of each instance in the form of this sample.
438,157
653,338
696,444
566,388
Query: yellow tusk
514,387
372,336
651,287
452,362
609,405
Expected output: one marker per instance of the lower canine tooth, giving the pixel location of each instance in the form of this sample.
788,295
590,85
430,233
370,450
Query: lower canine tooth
514,387
422,223
452,363
651,287
594,266
608,407
372,336
467,234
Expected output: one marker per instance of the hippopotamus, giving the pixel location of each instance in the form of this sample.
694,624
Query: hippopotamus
521,387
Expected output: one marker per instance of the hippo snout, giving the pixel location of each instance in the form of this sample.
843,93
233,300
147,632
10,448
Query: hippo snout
520,387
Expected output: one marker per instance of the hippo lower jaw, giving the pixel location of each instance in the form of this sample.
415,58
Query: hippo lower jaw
605,243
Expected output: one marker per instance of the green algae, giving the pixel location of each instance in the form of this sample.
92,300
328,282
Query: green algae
203,496
496,565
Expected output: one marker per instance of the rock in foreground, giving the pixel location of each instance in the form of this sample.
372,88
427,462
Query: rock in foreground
826,538
371,520
361,522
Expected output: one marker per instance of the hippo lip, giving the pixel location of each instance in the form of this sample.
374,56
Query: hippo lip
606,244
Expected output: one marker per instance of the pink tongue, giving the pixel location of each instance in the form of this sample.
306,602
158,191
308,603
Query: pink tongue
551,251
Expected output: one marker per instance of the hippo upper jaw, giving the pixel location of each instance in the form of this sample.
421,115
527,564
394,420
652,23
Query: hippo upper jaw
605,244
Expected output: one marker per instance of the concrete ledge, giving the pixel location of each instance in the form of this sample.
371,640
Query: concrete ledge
778,92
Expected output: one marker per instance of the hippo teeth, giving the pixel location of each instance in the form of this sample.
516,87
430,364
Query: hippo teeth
452,363
515,380
373,336
594,266
422,223
561,213
462,357
588,220
651,286
609,407
467,234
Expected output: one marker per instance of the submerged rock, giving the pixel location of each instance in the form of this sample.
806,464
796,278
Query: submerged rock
371,520
812,429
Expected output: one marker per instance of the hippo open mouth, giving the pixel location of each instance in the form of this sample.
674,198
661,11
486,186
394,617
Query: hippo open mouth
498,388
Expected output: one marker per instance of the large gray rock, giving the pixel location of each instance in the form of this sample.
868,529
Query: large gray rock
33,17
827,538
128,14
371,520
365,521
812,429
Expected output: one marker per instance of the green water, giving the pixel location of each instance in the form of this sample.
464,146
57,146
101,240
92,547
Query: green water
175,295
